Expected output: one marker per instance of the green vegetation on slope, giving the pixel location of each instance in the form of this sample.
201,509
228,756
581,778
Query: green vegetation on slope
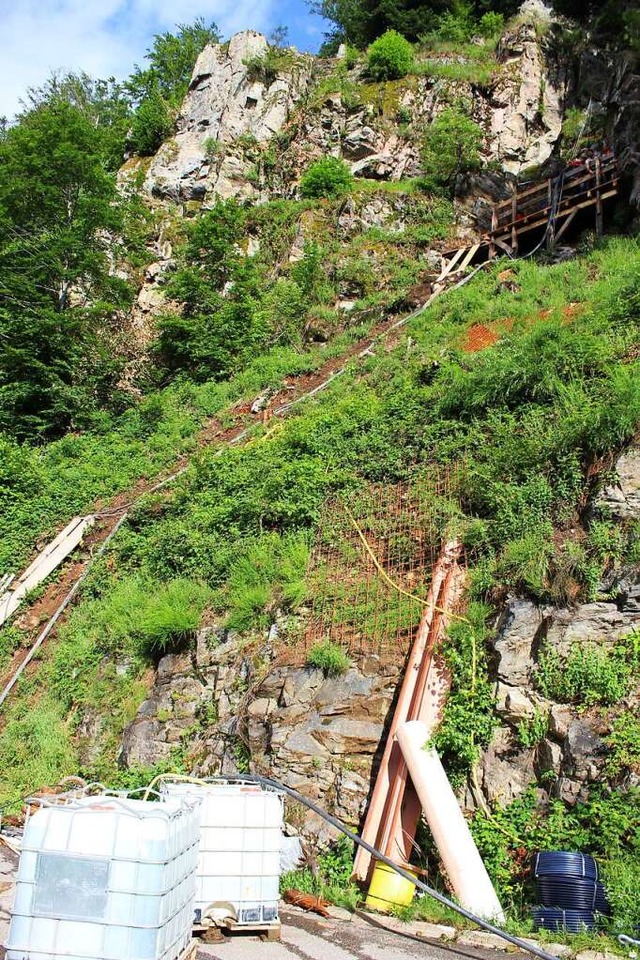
523,421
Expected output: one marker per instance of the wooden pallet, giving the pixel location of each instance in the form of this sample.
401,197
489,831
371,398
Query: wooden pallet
266,931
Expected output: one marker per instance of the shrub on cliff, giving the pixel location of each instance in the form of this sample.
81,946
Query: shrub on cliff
390,57
327,177
451,147
152,124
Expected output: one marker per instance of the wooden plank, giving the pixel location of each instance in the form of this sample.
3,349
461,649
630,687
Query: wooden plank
5,581
469,257
599,216
44,564
567,222
52,547
451,264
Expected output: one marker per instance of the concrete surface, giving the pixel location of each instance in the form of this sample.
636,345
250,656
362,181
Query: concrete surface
307,937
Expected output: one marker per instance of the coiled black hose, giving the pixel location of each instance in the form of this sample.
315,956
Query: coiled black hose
564,864
328,818
573,893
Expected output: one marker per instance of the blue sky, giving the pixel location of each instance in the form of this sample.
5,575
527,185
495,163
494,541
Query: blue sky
107,37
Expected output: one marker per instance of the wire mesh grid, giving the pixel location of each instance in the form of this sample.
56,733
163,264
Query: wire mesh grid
371,567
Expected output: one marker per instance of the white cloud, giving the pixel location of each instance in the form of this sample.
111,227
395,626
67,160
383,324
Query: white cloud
102,37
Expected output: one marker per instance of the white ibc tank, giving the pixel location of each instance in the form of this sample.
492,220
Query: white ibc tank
106,878
240,839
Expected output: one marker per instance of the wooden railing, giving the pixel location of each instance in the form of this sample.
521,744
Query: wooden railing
554,202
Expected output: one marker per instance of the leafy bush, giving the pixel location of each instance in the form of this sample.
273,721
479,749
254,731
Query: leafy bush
532,730
151,125
623,743
491,25
455,26
469,720
607,826
328,657
390,57
589,674
451,147
327,177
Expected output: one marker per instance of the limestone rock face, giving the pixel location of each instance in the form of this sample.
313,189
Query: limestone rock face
621,499
527,102
223,104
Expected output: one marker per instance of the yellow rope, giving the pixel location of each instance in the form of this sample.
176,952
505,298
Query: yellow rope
396,586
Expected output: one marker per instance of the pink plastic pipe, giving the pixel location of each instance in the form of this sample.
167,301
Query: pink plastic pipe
458,852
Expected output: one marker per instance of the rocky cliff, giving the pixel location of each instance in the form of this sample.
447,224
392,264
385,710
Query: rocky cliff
240,101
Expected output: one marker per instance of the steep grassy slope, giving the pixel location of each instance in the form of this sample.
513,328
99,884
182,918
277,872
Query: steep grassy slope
525,420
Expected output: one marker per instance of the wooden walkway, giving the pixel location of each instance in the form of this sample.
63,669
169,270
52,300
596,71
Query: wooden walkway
555,203
552,204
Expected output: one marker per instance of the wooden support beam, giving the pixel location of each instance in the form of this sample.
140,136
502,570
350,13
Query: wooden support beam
451,264
471,252
599,216
569,220
494,227
504,246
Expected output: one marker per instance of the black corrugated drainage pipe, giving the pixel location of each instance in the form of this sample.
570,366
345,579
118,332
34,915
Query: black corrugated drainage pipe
274,785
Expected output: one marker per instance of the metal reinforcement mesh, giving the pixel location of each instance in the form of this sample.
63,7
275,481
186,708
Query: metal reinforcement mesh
369,543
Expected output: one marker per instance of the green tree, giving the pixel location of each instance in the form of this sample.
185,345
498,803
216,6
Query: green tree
152,123
219,324
57,206
451,147
390,57
171,58
105,103
361,21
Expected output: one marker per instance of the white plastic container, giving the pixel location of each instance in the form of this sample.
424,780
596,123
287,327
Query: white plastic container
106,878
240,839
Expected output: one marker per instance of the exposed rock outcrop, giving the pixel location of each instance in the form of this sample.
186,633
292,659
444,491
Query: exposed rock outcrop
226,708
620,499
527,102
226,101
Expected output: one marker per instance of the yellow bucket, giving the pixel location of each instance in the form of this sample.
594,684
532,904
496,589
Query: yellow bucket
388,889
